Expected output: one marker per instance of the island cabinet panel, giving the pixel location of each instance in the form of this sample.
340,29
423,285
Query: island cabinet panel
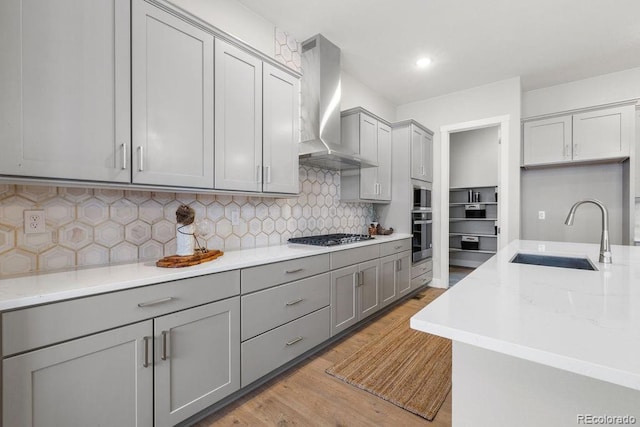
197,359
266,352
269,308
238,119
172,99
65,89
281,128
104,379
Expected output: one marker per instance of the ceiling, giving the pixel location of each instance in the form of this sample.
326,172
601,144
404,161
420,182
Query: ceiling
471,42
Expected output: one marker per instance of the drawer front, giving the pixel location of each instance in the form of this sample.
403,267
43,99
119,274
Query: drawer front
421,280
264,276
396,247
347,257
43,325
267,309
266,352
422,268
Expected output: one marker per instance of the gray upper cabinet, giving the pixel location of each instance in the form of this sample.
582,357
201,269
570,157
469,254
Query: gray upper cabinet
172,100
102,379
547,141
421,154
281,128
369,136
593,135
238,121
65,85
197,359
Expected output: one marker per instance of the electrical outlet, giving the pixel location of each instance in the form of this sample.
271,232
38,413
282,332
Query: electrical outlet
235,217
34,222
542,214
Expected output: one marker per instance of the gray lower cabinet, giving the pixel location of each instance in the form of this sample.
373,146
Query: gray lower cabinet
395,277
354,294
197,359
266,352
98,380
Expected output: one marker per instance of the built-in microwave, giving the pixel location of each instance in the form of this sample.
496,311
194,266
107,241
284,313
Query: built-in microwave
421,198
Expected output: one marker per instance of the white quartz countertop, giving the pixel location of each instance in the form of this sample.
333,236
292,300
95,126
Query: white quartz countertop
17,292
585,322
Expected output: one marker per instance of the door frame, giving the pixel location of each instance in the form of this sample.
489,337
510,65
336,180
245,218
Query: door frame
441,204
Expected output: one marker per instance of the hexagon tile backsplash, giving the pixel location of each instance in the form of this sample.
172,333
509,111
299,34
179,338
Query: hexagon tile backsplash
97,227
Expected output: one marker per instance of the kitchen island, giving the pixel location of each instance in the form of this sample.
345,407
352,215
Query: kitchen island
543,346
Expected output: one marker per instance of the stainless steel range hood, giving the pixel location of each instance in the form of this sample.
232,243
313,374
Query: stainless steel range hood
321,146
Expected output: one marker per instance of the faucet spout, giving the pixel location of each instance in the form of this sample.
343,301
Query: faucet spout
605,247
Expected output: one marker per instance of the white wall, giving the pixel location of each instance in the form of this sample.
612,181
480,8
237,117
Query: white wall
600,90
555,190
473,158
236,19
356,94
496,99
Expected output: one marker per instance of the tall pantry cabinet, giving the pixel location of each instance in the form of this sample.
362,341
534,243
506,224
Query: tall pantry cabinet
65,85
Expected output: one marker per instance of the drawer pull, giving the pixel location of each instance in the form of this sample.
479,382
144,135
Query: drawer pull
360,278
155,302
145,364
397,247
164,345
294,271
295,340
294,302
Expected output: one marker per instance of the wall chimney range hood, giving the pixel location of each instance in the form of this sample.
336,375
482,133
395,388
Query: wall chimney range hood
321,146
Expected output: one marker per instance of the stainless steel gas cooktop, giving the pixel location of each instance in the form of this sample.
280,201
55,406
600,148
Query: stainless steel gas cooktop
330,239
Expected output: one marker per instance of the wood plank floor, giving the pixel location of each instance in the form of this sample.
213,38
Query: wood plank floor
306,396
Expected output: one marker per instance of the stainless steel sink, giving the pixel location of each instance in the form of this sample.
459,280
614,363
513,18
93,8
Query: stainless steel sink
554,261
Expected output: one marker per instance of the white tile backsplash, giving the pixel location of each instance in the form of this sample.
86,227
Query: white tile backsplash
96,227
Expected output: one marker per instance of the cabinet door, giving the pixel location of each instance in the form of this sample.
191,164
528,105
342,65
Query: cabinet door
238,152
343,298
403,270
281,115
418,154
384,162
428,157
368,151
172,100
369,288
547,141
388,288
65,85
602,134
197,359
98,380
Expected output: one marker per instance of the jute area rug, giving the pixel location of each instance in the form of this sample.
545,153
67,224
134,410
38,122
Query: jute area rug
408,368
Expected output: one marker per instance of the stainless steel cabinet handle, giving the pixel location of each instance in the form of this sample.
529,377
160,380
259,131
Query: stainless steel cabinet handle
421,170
399,264
124,155
268,168
145,364
154,302
397,247
575,150
293,271
360,278
355,279
259,174
295,340
140,158
164,345
294,302
423,222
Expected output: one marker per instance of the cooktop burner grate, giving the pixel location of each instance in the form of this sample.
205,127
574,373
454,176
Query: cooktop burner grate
330,239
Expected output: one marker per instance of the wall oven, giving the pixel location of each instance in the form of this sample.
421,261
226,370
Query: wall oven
421,224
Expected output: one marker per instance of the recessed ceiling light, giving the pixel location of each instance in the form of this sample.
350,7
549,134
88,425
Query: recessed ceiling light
423,62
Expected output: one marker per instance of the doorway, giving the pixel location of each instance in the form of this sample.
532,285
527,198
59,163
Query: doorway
442,202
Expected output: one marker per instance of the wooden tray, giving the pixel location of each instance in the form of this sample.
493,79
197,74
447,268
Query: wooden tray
176,261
